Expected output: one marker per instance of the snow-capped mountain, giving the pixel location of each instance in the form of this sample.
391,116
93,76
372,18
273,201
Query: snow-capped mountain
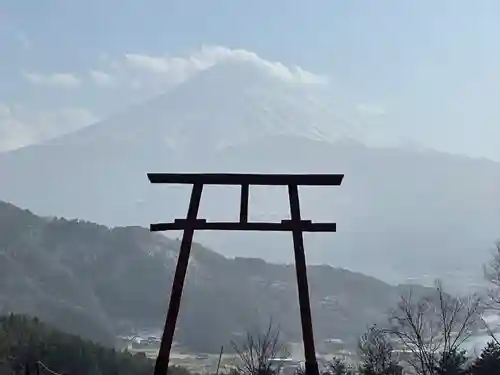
400,212
225,105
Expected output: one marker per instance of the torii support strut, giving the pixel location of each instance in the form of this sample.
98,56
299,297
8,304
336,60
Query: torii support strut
296,225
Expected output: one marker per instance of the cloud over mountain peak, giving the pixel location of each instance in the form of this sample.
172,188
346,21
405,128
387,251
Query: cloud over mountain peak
138,76
176,69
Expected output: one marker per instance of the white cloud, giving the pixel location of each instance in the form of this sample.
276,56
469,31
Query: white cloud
141,70
20,126
64,80
101,78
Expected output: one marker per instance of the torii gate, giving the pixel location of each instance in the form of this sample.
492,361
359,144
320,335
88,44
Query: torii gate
191,223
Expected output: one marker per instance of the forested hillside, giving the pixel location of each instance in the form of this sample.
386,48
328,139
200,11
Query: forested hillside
27,341
98,282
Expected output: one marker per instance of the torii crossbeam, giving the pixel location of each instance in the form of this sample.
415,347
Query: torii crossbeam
191,223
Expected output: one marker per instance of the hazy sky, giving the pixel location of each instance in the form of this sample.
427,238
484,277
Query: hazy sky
428,70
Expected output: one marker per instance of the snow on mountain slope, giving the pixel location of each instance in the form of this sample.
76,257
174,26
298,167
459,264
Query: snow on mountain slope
227,104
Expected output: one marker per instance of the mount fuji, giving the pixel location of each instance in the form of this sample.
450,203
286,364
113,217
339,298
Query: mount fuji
401,213
227,104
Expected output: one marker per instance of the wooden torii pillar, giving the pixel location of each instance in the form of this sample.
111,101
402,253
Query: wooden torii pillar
191,223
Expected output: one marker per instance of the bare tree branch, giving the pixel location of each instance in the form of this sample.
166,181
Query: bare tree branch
261,354
377,353
44,366
492,275
490,331
434,327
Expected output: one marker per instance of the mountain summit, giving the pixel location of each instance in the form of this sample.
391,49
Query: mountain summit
227,104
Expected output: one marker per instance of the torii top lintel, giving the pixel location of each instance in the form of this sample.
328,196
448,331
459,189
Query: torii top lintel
246,179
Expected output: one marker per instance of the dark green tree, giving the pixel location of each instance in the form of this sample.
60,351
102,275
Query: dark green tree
488,363
453,362
27,346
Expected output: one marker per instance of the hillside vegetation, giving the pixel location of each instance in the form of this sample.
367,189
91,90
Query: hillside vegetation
26,341
98,282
